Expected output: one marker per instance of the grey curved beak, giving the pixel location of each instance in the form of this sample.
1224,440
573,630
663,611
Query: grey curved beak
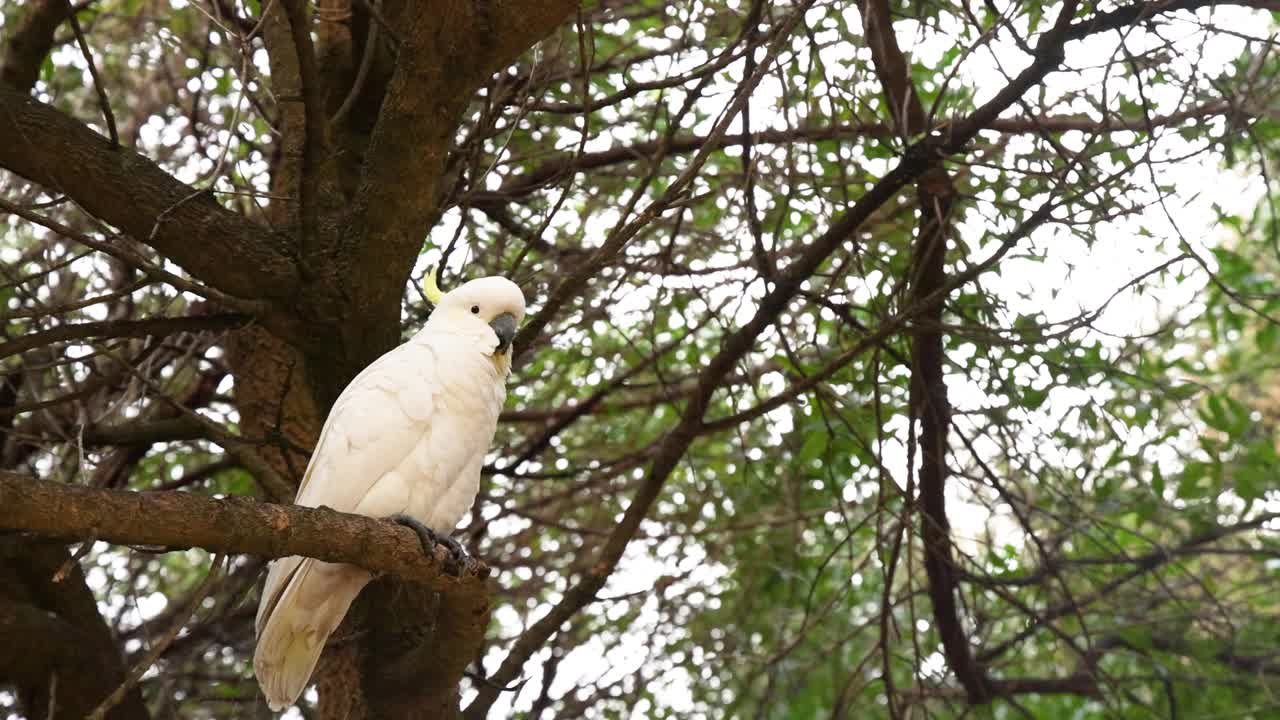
504,326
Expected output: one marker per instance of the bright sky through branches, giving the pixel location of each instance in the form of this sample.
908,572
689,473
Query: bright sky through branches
1064,276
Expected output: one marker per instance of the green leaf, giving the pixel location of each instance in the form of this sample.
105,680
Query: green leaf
814,446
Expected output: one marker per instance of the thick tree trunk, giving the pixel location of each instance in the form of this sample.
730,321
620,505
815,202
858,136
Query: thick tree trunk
278,410
401,653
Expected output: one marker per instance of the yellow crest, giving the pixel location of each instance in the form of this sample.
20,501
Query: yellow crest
432,284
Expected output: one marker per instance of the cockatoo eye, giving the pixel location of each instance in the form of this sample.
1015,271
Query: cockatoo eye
475,309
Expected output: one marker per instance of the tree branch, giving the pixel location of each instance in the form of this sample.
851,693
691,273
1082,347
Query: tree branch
98,86
227,525
29,43
294,76
935,195
146,432
1139,11
918,159
122,328
58,648
1080,684
160,645
548,172
1143,564
448,51
129,191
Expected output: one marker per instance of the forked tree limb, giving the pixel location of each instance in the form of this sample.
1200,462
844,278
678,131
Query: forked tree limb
449,50
219,247
918,159
228,525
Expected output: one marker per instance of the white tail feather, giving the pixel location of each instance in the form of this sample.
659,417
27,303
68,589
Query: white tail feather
303,603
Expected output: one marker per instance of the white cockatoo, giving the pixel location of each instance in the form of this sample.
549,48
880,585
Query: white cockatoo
406,439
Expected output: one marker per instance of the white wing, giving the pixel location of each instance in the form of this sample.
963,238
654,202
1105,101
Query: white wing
372,428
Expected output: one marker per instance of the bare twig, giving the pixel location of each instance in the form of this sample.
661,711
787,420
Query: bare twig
161,644
98,85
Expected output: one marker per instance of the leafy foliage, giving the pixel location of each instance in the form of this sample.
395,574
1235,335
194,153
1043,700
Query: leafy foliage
1113,395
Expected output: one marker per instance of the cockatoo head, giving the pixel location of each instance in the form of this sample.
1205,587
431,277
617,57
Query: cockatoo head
486,304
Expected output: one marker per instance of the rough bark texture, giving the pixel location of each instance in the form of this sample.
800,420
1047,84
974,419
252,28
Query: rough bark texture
228,525
132,193
278,409
394,670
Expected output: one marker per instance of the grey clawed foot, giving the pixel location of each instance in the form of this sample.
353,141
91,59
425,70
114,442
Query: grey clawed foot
428,538
455,548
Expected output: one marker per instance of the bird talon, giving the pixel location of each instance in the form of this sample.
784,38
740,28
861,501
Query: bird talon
428,538
455,549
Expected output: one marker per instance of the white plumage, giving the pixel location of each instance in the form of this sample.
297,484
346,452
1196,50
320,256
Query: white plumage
407,436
